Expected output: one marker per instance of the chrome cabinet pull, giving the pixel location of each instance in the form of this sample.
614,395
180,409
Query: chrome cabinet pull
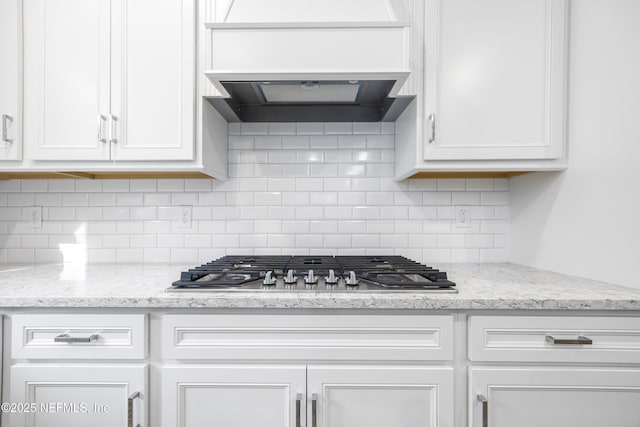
5,127
314,410
580,340
298,403
114,129
101,119
69,339
130,400
432,120
485,410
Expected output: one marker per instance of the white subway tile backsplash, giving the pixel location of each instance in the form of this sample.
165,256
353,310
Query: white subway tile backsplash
352,226
338,128
366,212
351,170
34,186
323,198
430,198
151,185
352,141
116,185
102,199
254,129
267,142
381,141
367,128
298,141
310,128
282,128
323,226
451,184
324,141
171,185
294,188
10,185
20,199
309,184
494,198
338,212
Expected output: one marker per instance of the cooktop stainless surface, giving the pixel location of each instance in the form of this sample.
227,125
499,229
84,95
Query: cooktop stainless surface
314,273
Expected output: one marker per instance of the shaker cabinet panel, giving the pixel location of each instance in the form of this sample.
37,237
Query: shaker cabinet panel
495,74
79,395
554,397
232,396
10,114
380,396
153,79
66,79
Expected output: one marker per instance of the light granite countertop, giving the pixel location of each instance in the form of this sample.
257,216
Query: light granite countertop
480,286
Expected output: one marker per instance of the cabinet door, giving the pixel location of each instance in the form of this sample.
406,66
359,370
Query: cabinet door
495,73
555,397
78,395
380,396
232,396
10,141
66,79
153,79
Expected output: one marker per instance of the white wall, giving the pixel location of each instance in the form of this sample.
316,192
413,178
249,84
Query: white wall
305,188
586,220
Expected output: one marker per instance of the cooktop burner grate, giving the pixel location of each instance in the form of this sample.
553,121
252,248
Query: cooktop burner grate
314,273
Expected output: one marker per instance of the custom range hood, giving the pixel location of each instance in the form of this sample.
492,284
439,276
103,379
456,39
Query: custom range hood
308,61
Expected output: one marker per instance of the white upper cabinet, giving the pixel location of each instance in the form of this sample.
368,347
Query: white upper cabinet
66,79
494,91
153,79
10,141
109,80
494,79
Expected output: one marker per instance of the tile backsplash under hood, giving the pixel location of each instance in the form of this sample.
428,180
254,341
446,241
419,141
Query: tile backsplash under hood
294,188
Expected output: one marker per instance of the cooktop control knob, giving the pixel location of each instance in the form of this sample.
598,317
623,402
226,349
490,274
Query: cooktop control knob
352,280
331,279
290,279
310,278
269,280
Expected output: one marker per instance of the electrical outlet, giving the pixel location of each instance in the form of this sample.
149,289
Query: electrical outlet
462,217
34,216
184,221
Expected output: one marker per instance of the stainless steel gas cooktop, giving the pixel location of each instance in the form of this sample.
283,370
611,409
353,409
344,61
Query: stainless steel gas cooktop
314,273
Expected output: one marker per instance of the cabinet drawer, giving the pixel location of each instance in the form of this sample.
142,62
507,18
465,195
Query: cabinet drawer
307,337
554,339
78,336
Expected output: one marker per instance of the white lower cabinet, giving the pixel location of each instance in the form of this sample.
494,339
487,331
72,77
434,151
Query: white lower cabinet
77,370
314,395
380,396
313,370
63,395
554,371
223,395
554,397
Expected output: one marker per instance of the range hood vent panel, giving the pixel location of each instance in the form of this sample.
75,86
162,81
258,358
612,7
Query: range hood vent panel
312,66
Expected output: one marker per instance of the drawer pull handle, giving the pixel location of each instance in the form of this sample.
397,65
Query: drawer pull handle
314,410
298,403
580,340
130,400
69,339
485,410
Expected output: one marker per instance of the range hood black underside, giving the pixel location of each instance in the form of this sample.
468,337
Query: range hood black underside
373,106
